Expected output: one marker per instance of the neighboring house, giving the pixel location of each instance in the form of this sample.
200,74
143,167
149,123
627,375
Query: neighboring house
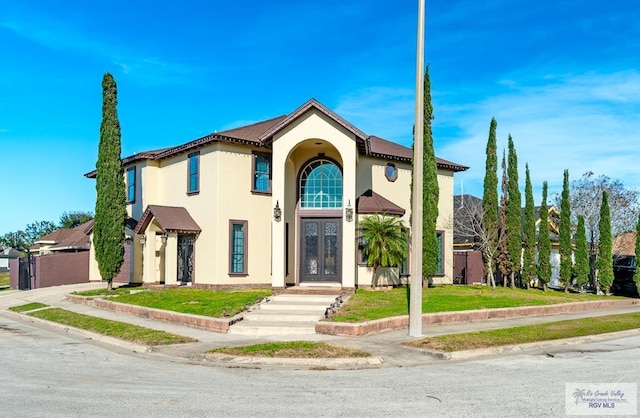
468,218
275,203
6,255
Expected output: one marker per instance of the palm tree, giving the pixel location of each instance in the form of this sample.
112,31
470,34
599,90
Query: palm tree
384,242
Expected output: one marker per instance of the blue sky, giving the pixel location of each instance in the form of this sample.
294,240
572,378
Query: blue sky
562,77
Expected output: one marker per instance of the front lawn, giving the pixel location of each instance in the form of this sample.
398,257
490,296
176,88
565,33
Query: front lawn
210,303
367,305
4,278
293,349
530,333
121,330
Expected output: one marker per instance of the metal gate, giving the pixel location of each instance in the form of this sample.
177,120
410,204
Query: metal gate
24,273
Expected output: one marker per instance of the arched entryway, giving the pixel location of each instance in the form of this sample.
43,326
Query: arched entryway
320,197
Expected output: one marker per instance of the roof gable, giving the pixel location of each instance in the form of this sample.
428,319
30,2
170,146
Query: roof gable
267,136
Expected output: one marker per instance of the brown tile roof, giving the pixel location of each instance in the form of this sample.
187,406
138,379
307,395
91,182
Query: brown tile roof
372,202
382,148
170,218
624,244
139,156
261,134
77,239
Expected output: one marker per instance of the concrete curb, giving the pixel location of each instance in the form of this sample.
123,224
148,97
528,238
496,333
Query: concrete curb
286,361
194,321
137,348
359,329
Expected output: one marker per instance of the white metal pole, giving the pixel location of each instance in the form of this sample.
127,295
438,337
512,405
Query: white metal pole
415,299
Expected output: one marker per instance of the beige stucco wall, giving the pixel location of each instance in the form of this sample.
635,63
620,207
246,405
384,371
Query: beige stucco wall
225,194
371,175
304,139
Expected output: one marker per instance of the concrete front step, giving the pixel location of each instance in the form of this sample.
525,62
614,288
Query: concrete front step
285,315
273,328
297,306
322,299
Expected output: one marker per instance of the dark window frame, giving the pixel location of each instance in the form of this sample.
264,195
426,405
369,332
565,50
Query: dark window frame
131,197
254,172
245,260
190,158
394,177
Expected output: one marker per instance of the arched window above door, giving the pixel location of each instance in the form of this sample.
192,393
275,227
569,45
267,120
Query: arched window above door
321,185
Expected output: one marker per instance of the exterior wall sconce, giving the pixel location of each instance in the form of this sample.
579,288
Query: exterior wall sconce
348,212
164,237
143,239
277,212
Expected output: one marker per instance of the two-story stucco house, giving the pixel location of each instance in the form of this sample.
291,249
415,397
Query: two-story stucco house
275,203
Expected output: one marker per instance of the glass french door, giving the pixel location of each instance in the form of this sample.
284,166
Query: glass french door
320,245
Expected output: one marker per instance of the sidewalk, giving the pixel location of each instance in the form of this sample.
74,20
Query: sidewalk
384,346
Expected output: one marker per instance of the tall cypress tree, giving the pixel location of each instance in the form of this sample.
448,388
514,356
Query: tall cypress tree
108,230
544,242
514,212
582,254
605,262
430,191
528,258
503,260
490,202
565,233
636,275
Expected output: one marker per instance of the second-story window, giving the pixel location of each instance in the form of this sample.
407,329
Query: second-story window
261,173
131,185
193,179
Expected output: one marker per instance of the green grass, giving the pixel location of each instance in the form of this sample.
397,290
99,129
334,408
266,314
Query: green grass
123,290
28,307
4,278
121,330
530,333
366,305
293,349
210,303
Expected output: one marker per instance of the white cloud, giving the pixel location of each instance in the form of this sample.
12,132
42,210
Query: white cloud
580,123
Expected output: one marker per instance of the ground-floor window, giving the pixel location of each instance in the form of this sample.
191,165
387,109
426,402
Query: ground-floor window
440,262
238,247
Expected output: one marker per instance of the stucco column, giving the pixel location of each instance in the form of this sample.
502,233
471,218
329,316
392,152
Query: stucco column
349,228
149,260
171,259
278,229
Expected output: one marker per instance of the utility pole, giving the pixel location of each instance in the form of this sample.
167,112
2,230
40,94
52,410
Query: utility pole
415,298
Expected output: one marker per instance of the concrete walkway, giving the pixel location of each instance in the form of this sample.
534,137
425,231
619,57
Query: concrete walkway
383,347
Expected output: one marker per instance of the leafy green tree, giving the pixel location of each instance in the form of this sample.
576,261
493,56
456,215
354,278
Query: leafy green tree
430,191
514,212
384,242
73,219
490,206
108,231
582,254
605,262
636,275
503,260
529,254
565,233
544,242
